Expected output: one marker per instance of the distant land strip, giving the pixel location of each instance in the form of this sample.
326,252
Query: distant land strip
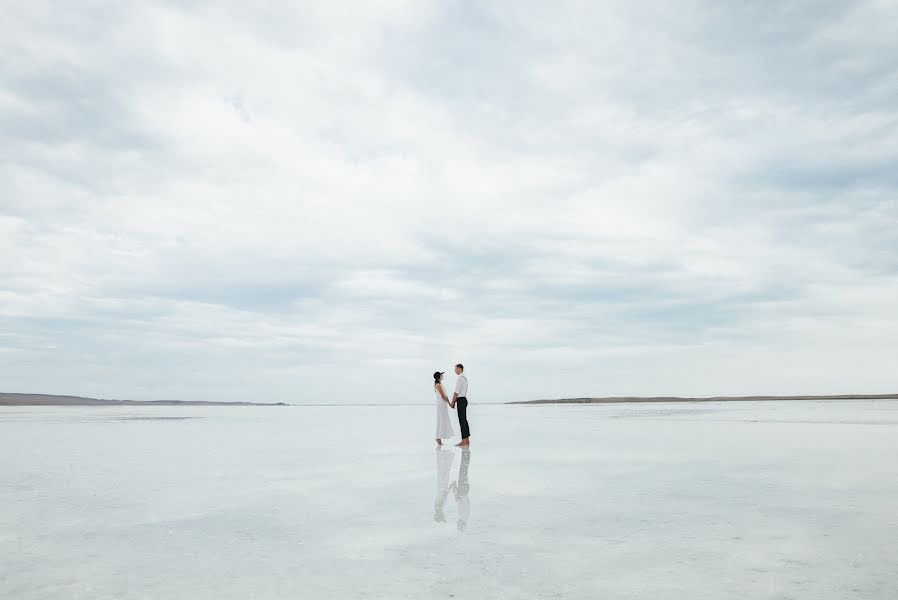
623,399
12,399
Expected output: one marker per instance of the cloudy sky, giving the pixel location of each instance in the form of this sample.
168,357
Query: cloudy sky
325,202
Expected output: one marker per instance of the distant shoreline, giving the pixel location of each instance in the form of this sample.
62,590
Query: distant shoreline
637,399
19,399
14,399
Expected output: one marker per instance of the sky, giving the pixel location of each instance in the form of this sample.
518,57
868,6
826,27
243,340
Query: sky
313,202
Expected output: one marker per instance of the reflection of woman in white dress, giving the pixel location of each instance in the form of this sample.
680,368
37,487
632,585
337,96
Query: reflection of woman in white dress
444,466
444,427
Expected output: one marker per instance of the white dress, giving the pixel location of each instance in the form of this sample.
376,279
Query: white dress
444,426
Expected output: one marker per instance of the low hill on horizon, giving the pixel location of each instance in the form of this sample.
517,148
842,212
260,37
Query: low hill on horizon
18,399
622,399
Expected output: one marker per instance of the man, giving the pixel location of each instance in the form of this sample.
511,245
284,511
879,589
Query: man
460,397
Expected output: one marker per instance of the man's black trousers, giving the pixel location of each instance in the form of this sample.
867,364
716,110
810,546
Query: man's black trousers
461,404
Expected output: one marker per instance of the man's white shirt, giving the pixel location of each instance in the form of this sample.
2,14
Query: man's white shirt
461,386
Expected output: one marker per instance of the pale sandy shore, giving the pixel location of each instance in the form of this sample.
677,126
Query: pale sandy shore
622,399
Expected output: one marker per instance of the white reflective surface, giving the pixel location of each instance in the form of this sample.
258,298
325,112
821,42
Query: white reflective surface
739,500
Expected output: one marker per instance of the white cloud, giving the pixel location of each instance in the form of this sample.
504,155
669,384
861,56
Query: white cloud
304,201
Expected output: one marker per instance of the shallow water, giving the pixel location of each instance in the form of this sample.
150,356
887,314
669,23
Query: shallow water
736,500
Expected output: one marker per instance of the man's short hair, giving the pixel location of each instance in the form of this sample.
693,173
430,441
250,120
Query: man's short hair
460,366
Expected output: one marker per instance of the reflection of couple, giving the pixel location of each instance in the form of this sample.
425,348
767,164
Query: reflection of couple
443,403
459,487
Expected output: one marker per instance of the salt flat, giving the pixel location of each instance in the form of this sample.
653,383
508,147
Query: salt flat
716,500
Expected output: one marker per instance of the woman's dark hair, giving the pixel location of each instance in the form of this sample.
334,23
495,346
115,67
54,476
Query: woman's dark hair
436,377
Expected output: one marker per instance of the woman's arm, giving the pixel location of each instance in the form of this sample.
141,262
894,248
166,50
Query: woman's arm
439,387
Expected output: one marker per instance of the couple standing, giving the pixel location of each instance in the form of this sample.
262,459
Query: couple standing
460,399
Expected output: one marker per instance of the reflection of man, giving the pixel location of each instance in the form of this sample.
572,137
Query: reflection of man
461,490
444,466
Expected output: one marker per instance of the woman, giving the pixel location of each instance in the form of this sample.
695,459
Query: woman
444,427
